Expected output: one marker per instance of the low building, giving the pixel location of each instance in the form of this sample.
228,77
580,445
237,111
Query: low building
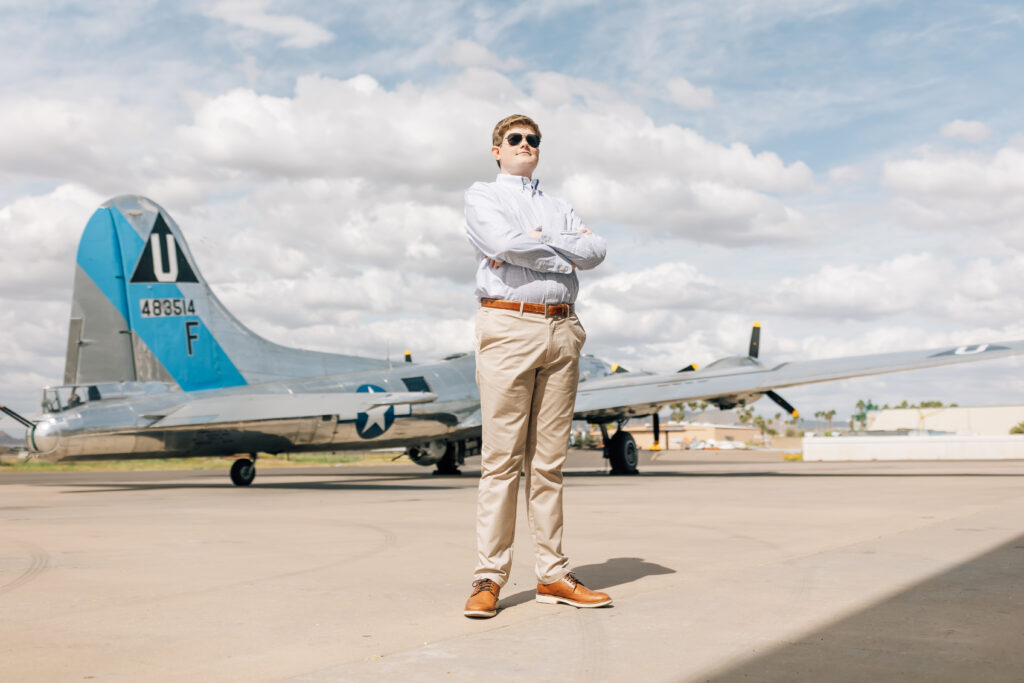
679,435
978,420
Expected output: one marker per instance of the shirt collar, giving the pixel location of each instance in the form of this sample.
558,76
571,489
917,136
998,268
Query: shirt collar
518,181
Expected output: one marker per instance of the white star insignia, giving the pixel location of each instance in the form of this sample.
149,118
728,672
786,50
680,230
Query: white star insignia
376,416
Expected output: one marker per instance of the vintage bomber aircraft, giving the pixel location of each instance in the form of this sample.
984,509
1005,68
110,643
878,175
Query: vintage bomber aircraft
157,367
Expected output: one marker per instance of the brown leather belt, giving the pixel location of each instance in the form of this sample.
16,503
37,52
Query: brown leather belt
547,310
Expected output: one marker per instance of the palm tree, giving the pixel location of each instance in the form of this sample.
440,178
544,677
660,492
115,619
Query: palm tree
826,415
762,424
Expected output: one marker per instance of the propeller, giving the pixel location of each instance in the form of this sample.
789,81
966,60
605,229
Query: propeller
689,368
656,446
755,340
616,368
408,356
783,403
755,344
25,422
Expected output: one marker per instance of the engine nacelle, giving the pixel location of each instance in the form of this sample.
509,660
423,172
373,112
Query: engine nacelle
730,402
429,453
44,437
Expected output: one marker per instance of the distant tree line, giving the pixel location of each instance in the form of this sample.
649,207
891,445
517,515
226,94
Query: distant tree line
745,414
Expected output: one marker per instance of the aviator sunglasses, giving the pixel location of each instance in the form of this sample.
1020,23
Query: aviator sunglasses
531,139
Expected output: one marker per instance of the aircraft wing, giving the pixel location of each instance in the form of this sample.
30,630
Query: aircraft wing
256,407
623,395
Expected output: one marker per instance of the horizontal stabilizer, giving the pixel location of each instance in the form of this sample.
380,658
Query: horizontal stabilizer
249,408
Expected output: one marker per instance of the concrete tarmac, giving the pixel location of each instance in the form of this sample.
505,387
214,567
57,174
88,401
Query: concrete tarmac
727,566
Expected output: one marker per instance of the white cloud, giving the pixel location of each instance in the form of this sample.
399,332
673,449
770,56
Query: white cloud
61,138
965,174
39,240
972,131
34,337
435,139
350,128
843,175
466,53
252,14
665,286
919,285
963,191
708,211
291,227
689,96
899,285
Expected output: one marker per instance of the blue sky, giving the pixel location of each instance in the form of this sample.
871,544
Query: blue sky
849,173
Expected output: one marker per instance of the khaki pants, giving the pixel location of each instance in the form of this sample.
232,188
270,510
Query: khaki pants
527,368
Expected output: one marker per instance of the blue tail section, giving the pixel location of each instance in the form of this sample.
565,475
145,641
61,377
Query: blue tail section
141,311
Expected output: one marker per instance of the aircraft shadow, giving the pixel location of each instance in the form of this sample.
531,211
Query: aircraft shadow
961,625
295,482
614,572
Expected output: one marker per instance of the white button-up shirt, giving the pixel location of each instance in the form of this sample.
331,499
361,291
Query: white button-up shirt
540,271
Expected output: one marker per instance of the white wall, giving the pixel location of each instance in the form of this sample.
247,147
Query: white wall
967,420
846,448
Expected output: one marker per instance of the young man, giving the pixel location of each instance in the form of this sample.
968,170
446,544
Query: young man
528,343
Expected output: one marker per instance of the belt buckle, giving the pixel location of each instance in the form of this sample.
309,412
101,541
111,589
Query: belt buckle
548,307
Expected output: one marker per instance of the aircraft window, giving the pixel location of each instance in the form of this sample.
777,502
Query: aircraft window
56,399
415,384
51,400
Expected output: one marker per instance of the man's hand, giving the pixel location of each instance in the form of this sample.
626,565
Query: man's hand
494,263
535,234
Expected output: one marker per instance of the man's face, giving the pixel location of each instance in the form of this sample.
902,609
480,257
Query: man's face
520,160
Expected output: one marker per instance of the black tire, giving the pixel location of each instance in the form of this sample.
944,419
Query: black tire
449,463
622,453
243,471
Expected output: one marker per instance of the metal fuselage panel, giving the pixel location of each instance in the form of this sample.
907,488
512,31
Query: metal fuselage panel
269,436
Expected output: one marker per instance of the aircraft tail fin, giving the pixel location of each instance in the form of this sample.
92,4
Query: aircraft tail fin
141,311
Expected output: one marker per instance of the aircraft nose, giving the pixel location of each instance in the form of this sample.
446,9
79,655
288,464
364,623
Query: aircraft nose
44,437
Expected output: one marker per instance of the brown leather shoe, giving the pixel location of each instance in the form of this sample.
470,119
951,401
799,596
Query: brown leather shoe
569,590
483,603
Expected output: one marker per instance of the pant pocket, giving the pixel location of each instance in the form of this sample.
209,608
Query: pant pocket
579,331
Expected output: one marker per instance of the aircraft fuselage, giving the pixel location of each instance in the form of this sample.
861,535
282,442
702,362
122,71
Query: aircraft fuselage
127,427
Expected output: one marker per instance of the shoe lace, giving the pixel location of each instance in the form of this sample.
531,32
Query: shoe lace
481,585
572,580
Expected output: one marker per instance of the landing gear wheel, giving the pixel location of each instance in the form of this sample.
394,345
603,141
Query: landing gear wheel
449,462
622,453
243,471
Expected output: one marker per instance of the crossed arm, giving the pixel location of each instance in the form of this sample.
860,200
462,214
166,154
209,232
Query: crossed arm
554,248
567,235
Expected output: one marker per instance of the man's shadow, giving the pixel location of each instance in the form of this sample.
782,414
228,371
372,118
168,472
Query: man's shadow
613,572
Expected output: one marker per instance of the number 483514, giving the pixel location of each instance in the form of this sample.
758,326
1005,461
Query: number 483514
166,308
